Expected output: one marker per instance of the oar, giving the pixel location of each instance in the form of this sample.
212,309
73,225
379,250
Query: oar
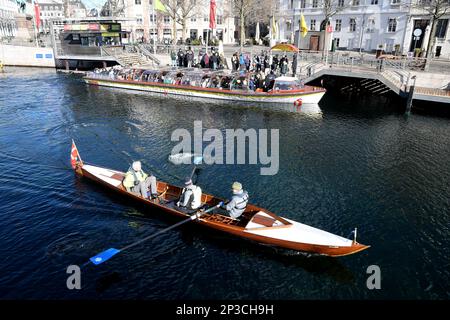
108,254
197,160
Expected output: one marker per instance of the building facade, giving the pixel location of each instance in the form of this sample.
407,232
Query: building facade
49,10
8,26
145,23
364,25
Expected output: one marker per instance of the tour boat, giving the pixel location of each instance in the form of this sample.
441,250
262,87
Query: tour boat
217,86
256,224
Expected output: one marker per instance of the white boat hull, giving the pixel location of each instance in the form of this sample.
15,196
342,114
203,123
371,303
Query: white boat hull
309,97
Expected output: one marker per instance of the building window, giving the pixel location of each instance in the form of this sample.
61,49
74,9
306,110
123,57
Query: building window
152,17
137,1
139,20
355,3
392,25
193,19
166,19
150,2
441,28
352,24
371,25
373,2
336,42
303,4
398,2
219,19
312,26
315,3
338,25
205,18
340,3
291,4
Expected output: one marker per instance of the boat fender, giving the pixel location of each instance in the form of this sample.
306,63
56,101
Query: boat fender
298,102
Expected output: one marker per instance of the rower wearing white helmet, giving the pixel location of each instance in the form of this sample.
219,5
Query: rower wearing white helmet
191,196
238,203
137,181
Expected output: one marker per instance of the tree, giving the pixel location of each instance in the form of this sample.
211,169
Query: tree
251,11
180,11
435,9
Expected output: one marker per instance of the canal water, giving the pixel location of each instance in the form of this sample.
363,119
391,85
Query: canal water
342,165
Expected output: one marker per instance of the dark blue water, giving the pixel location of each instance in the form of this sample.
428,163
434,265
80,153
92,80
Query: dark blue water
351,165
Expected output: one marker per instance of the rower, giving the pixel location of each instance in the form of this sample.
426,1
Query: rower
137,181
238,203
191,196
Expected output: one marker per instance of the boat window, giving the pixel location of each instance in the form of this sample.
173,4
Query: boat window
287,85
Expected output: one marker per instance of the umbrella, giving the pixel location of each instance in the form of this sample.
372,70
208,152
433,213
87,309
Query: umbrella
284,47
257,33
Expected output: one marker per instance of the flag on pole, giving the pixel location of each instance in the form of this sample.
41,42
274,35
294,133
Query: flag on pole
303,26
212,14
75,156
274,28
159,6
37,14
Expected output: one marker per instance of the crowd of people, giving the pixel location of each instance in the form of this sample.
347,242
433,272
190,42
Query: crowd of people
187,59
264,62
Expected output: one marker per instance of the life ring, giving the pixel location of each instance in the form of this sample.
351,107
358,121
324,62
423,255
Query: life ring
298,102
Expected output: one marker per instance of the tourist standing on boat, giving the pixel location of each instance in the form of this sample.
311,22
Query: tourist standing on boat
294,64
137,181
191,195
238,203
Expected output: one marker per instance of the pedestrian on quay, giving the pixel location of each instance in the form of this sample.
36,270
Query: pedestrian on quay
180,57
294,64
173,58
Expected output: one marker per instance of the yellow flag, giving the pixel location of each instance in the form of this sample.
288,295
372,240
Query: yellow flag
303,26
159,6
274,28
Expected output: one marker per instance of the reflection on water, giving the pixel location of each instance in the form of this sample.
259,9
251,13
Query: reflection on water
343,164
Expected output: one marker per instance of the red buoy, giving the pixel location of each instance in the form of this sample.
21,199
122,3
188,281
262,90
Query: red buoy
298,102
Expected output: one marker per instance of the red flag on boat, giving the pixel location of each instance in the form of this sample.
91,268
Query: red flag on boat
37,12
212,14
75,156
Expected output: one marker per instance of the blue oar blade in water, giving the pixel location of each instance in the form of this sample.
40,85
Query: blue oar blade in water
104,256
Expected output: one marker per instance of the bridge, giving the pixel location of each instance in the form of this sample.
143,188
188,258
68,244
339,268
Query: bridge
379,76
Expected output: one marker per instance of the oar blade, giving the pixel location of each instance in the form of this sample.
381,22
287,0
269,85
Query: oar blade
104,256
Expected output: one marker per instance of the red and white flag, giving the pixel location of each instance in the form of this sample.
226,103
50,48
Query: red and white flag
212,14
37,13
75,156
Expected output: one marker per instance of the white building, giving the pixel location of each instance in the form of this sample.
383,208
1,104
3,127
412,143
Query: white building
145,22
8,26
49,10
365,25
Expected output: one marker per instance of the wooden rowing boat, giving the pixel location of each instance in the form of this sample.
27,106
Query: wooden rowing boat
257,224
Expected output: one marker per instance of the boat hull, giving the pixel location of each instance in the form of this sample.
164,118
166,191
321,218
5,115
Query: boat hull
312,96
